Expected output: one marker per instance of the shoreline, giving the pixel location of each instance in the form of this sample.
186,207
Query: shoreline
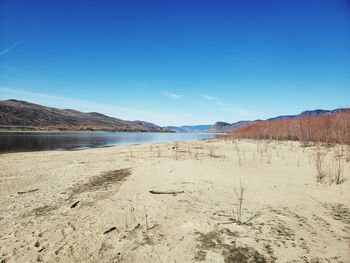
76,131
107,146
96,205
10,142
86,131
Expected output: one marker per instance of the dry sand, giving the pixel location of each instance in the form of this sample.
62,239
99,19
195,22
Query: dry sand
287,215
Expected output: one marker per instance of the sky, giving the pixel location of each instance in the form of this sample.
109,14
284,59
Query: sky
178,62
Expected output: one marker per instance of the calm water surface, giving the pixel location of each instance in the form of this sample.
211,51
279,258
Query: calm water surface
41,141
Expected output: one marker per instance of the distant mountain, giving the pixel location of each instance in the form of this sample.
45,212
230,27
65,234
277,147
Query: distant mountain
224,127
189,128
15,114
175,129
218,126
230,127
310,113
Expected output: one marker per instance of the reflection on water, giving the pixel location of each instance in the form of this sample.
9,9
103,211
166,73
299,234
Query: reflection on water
39,141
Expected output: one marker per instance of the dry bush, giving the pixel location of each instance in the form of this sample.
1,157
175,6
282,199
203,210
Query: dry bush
176,148
239,192
211,152
177,155
347,154
196,155
327,129
338,167
146,219
268,158
318,159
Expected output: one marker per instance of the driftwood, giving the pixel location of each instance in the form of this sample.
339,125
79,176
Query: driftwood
29,191
110,230
75,204
166,192
7,237
154,226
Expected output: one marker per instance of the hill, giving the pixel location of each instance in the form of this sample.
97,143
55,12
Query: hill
22,115
224,127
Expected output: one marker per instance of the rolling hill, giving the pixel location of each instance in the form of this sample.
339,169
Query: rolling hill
22,115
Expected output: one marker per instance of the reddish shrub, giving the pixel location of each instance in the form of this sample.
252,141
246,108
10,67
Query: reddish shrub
334,128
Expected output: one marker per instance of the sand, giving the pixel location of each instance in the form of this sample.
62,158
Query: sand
95,206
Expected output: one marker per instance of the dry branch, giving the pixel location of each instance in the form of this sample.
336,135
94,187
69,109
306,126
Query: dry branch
29,191
75,204
110,230
166,192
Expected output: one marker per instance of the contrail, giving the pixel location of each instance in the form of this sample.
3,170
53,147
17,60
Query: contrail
2,52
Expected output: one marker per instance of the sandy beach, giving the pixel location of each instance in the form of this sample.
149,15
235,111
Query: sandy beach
95,205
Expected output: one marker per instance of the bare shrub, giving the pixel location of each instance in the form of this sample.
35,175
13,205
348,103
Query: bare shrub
146,219
268,158
318,159
347,153
327,129
176,155
176,148
126,223
211,152
239,192
338,167
196,155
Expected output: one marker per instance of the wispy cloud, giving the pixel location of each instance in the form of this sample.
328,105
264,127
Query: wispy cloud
173,95
208,97
226,106
4,51
160,118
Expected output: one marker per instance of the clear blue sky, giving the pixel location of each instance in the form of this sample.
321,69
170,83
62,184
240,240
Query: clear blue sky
177,62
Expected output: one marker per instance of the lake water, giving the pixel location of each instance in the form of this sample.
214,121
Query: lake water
41,141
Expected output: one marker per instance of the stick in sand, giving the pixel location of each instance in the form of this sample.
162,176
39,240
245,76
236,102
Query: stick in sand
29,191
166,192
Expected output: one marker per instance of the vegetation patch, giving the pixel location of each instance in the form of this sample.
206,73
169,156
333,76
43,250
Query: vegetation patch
223,242
339,212
102,181
39,211
328,129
